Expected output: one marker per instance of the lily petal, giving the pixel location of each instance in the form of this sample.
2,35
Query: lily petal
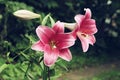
88,13
65,54
44,33
92,39
88,26
39,46
89,21
84,42
50,55
58,27
64,40
79,18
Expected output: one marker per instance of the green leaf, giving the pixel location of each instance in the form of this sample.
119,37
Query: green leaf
52,21
8,53
62,64
2,60
3,67
44,21
28,74
31,38
26,56
1,16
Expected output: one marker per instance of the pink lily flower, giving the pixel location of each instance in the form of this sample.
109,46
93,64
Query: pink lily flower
85,29
54,43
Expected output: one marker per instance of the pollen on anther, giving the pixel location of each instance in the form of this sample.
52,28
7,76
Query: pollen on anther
84,35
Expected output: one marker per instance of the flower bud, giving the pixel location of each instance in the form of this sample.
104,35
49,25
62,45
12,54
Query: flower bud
25,14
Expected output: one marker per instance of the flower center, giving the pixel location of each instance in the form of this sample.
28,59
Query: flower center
84,35
52,44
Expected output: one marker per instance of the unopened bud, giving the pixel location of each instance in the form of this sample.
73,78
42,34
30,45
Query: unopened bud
25,14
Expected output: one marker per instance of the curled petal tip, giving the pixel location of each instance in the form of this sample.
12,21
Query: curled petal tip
86,9
88,13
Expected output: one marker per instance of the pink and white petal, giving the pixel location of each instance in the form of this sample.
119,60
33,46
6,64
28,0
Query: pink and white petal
67,44
92,39
88,29
50,55
38,46
88,13
84,42
65,54
89,22
58,27
44,33
64,40
79,19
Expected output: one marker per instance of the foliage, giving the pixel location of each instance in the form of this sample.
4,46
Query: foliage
110,75
16,35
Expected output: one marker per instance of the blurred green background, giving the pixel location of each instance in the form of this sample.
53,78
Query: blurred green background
15,35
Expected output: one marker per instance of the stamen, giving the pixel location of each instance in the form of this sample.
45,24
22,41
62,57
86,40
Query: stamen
84,35
52,44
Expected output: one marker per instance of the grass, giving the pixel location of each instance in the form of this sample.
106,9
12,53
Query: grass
109,75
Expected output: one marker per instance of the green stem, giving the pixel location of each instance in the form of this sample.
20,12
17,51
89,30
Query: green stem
44,72
22,53
27,69
48,73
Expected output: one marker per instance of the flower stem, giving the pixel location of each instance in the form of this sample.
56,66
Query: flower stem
45,72
48,73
